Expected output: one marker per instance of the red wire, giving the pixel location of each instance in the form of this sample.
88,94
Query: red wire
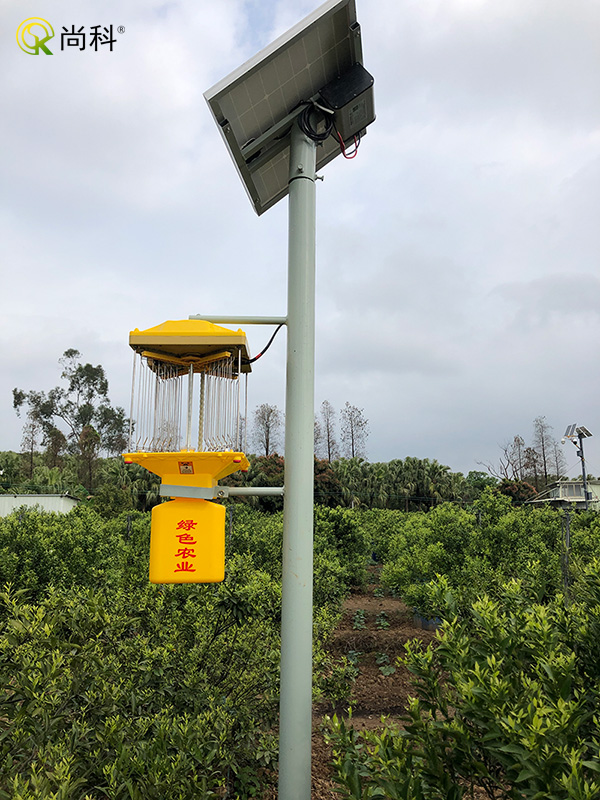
343,147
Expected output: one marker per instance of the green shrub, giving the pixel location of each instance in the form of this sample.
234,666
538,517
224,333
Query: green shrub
257,535
340,547
476,551
379,527
41,549
149,693
112,687
338,533
504,702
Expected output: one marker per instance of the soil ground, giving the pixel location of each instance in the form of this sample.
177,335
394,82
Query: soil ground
373,695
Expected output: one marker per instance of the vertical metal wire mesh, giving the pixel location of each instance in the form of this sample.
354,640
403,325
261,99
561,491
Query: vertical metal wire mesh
164,404
221,407
156,406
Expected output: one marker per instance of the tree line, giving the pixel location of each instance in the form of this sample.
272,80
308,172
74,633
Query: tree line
74,424
409,484
537,463
73,437
351,442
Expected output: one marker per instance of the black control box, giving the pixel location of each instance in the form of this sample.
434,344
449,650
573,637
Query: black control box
350,97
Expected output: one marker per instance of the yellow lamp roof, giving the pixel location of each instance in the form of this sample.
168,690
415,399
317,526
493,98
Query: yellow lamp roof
193,337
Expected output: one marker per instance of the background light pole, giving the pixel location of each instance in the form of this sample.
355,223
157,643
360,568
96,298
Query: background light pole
580,433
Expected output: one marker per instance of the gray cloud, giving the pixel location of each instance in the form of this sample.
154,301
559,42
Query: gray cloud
457,255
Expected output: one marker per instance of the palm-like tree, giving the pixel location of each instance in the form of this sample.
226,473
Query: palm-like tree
50,478
352,477
409,484
143,485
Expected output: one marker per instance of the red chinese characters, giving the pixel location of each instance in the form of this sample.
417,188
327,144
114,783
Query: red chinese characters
186,525
184,566
185,539
185,552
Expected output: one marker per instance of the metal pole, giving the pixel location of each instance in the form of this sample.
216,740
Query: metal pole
237,444
295,722
256,491
219,492
583,475
245,443
567,545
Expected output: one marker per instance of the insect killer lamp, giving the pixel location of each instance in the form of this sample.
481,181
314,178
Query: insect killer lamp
186,428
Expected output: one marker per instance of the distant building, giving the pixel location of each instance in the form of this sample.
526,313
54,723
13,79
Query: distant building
569,494
61,503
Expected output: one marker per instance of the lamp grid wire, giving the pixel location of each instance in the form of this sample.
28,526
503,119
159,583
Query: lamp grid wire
160,390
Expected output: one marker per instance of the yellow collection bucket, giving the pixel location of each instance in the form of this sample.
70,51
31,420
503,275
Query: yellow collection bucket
187,542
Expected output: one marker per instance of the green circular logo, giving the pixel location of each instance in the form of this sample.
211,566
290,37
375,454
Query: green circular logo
32,35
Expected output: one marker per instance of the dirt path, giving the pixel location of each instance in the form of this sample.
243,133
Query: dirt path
374,694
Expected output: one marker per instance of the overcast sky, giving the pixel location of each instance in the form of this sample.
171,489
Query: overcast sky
458,289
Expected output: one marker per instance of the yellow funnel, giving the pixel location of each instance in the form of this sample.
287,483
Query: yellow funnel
189,467
187,538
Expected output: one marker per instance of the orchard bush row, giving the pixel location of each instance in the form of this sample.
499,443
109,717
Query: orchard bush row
478,549
507,699
114,688
506,705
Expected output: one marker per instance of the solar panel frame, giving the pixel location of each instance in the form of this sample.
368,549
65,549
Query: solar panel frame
257,101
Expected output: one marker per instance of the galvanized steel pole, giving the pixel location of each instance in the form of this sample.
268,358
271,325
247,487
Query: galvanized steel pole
583,474
296,624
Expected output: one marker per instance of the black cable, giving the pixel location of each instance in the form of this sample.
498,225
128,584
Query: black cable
264,350
304,121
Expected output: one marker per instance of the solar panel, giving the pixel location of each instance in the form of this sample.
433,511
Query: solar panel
256,105
570,431
583,432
